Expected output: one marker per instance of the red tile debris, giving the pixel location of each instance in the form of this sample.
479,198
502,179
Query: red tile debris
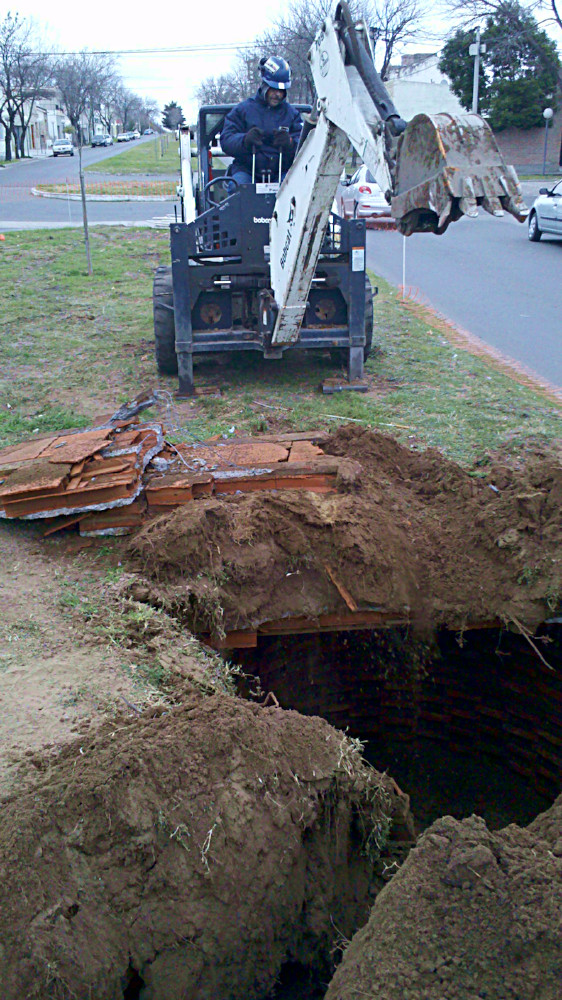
109,479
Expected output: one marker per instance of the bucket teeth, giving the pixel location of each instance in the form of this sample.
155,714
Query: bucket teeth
492,205
467,203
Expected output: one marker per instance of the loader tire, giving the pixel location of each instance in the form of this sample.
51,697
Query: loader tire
164,324
339,355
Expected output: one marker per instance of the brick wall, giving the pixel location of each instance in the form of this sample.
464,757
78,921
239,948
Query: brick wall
525,148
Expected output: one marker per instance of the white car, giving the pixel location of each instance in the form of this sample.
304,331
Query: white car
360,197
63,147
546,214
135,134
123,137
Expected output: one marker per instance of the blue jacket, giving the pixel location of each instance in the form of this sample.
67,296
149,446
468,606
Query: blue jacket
255,111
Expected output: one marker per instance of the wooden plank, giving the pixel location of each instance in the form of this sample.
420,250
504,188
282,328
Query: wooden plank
304,451
70,501
36,479
342,591
173,495
58,523
105,466
314,483
27,451
74,447
233,640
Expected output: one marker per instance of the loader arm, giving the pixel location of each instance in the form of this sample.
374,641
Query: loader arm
432,171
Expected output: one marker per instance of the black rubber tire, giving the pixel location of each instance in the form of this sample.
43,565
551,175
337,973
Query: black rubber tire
534,233
340,355
164,324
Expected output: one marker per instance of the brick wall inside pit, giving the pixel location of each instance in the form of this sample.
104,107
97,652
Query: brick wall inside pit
525,147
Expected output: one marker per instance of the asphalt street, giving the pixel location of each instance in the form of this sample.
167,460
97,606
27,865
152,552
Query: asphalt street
487,278
20,209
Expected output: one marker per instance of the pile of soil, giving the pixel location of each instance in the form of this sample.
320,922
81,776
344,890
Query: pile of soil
414,534
190,852
470,914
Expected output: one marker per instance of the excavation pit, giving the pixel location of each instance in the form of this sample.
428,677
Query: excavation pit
465,724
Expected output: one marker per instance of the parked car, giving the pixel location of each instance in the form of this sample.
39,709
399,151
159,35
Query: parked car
102,139
63,147
135,134
360,197
148,131
123,137
546,213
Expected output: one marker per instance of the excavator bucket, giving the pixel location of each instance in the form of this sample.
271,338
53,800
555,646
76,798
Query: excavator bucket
446,166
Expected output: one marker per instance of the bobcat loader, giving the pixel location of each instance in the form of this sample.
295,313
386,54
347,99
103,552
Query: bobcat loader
270,267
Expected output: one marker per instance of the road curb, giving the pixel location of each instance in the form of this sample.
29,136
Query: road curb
103,197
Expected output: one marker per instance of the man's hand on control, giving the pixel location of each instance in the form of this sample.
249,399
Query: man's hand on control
282,140
254,137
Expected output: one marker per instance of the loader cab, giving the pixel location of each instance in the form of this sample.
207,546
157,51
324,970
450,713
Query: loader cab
213,164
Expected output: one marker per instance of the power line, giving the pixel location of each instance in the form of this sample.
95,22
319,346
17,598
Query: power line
179,49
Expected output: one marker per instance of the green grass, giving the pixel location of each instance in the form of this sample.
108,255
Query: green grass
144,188
74,348
72,345
159,156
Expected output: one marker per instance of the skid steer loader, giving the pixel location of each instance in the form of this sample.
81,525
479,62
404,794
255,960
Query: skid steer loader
268,266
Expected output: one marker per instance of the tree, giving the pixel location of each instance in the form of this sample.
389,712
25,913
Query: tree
470,13
519,70
172,115
128,107
148,114
390,21
79,80
25,74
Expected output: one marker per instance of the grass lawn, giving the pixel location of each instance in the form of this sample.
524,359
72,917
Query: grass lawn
159,156
74,348
145,188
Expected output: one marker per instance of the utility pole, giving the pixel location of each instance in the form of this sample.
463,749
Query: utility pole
475,49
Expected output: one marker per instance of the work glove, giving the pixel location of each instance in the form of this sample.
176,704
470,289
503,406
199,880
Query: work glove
282,140
253,138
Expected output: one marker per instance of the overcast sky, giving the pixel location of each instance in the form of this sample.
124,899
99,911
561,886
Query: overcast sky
109,24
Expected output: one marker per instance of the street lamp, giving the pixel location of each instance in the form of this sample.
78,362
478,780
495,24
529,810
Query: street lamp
547,115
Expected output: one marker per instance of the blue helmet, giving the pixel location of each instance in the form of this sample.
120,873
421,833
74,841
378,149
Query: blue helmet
275,73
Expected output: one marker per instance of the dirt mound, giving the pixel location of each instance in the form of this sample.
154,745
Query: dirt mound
188,853
470,914
414,535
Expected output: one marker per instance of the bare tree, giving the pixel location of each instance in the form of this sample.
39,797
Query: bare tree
25,74
391,22
78,79
149,113
395,22
127,105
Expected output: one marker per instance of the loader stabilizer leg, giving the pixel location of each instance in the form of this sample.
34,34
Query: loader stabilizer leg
182,309
356,313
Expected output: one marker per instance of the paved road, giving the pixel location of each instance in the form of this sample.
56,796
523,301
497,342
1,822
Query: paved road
19,209
485,276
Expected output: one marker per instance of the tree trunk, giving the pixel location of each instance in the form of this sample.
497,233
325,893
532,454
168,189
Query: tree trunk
84,211
8,142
